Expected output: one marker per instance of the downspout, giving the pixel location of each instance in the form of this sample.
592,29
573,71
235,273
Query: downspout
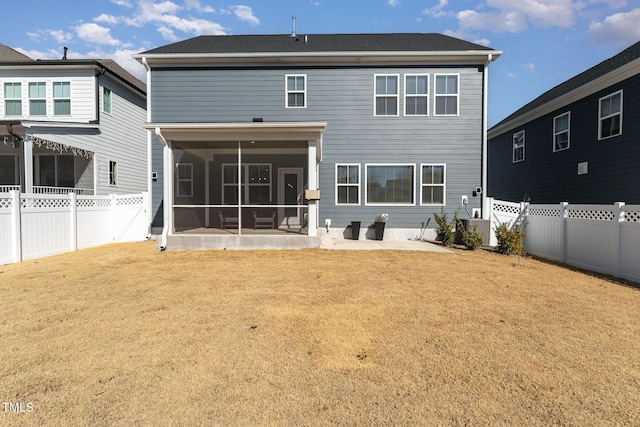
165,226
23,176
149,153
483,197
97,77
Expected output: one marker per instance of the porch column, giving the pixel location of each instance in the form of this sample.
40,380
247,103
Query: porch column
169,225
27,165
313,185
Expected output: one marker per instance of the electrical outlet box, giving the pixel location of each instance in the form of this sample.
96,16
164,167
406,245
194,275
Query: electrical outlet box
465,200
327,222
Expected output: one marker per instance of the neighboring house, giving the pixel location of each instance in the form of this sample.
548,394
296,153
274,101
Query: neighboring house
71,125
307,133
579,142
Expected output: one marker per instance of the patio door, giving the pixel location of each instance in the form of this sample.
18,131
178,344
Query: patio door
290,192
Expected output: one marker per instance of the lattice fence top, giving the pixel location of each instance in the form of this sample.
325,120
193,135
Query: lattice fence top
93,203
129,200
632,216
6,204
548,212
45,203
595,214
507,208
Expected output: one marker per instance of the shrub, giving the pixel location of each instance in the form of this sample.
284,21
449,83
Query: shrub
472,239
444,228
510,242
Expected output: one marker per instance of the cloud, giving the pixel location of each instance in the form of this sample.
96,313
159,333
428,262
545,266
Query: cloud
510,22
529,66
60,36
315,3
39,54
106,19
620,27
124,3
437,10
245,14
94,33
393,3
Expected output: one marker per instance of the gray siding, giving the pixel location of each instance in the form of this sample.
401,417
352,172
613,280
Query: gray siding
344,98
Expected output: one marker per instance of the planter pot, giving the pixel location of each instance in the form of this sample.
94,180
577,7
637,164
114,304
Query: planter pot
379,229
355,230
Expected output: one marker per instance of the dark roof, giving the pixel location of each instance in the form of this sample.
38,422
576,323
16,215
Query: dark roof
9,55
402,42
628,55
123,74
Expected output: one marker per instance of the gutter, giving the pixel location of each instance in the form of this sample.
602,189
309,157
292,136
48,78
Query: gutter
485,102
149,153
166,216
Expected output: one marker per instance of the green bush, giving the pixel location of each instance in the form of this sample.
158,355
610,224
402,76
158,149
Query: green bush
510,242
445,229
472,239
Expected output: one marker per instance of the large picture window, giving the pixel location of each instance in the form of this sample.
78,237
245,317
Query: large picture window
518,146
390,184
255,182
296,91
38,99
610,123
62,98
386,95
446,95
13,99
348,184
432,185
561,125
416,95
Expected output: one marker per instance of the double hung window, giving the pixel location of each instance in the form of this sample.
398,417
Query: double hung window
113,173
296,95
433,184
106,100
62,98
518,146
37,99
13,99
561,125
254,181
386,95
184,180
610,112
446,95
348,184
416,95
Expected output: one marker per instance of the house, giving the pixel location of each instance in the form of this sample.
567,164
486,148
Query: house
261,139
577,142
71,125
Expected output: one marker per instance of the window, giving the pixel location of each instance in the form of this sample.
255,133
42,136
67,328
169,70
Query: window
446,102
386,95
610,116
416,96
55,170
561,132
13,99
184,180
432,185
106,100
255,182
348,184
296,91
518,146
390,184
38,99
61,99
113,173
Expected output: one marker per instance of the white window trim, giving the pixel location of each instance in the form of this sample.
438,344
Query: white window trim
600,118
359,185
397,95
178,180
111,102
514,146
366,167
54,99
436,95
247,184
443,185
412,95
556,133
113,172
287,91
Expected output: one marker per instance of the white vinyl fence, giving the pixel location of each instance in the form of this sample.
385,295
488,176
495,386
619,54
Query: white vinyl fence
601,238
38,225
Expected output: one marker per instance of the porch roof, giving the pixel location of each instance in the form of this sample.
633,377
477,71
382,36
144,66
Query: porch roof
240,131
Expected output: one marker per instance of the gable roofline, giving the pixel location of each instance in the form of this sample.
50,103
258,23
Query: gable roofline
9,54
618,68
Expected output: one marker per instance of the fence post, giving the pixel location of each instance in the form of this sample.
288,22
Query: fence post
17,226
563,232
73,227
112,218
618,219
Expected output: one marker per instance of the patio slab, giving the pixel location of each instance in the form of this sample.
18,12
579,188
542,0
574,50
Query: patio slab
395,245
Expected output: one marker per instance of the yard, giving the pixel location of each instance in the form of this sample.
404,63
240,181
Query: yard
124,335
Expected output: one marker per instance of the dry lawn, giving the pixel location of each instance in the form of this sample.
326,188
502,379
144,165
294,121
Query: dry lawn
123,335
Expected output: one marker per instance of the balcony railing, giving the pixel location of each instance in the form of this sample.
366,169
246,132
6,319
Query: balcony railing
7,188
39,189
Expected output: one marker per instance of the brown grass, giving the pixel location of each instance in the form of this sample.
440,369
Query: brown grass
123,335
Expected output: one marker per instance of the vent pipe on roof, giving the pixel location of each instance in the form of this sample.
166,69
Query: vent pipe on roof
64,55
293,26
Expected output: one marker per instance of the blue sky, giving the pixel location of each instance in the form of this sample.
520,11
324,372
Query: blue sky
545,42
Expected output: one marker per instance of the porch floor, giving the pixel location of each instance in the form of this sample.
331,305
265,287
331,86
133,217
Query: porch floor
244,232
216,238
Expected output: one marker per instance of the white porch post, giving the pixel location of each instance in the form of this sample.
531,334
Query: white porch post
27,164
313,185
168,167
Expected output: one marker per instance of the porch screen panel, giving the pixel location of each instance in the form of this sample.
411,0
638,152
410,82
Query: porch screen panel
230,184
65,172
47,171
8,170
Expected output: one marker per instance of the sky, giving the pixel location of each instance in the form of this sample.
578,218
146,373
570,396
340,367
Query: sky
544,42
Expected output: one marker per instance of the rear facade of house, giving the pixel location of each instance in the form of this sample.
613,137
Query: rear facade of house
309,133
576,143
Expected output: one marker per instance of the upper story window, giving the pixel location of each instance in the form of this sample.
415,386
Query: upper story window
296,90
38,99
62,98
347,184
432,184
518,146
610,113
416,95
106,100
446,95
386,95
390,184
13,99
561,125
113,173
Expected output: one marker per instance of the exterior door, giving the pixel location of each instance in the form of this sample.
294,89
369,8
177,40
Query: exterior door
290,192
